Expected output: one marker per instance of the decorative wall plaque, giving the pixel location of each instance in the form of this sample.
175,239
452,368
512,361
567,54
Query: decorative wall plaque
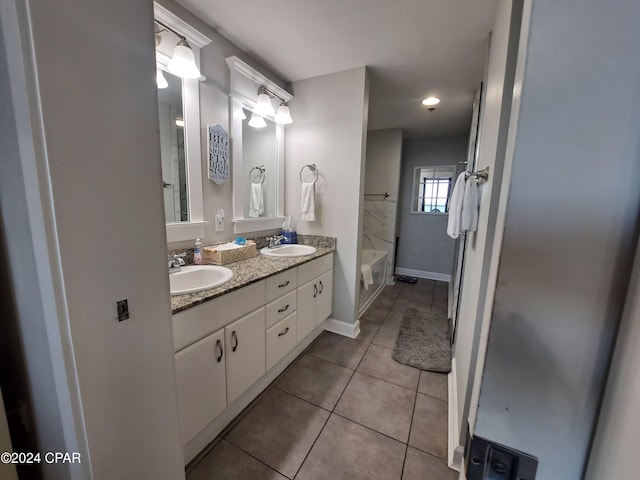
218,154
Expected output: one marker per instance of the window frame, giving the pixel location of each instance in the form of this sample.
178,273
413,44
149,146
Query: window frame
418,180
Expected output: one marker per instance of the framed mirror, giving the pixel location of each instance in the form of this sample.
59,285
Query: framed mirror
257,152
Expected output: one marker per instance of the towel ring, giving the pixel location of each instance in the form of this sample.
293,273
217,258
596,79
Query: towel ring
261,169
313,168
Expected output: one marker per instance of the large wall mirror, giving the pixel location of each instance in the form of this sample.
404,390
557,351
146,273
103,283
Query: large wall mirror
257,152
179,127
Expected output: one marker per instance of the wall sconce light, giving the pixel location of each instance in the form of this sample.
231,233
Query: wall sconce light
257,121
183,61
160,80
265,107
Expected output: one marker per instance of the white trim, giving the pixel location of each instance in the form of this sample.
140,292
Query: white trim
248,71
179,232
351,330
206,436
442,277
455,452
194,36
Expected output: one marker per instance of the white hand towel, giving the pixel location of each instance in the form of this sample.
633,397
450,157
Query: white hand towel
256,200
455,207
367,275
469,217
308,203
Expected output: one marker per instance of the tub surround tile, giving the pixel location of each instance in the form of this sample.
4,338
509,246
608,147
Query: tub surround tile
379,405
346,450
279,431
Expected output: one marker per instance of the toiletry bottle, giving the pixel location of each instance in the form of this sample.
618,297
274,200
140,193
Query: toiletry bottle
197,252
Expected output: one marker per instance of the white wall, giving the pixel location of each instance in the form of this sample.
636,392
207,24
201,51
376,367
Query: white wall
615,448
382,174
100,126
424,245
330,131
570,232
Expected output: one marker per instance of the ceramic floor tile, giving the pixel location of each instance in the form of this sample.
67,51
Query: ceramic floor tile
387,335
422,466
226,462
376,313
315,380
383,301
434,384
338,349
379,405
429,426
378,363
394,317
348,451
279,431
368,330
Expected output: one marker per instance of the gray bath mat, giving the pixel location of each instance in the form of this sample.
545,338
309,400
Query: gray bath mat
424,341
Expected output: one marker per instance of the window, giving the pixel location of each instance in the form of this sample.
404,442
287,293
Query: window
432,189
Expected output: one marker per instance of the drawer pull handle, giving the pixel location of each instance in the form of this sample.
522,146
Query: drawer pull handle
219,345
315,290
286,330
234,335
285,284
283,309
321,287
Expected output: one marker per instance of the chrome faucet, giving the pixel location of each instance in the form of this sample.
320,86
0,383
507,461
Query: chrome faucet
275,241
176,262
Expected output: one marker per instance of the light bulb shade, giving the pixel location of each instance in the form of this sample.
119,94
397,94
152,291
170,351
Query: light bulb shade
257,121
183,62
160,80
283,115
241,115
263,105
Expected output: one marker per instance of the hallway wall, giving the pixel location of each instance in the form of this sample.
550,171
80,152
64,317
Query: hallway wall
570,232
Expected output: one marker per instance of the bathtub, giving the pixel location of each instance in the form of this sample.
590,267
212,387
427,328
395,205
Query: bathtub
377,261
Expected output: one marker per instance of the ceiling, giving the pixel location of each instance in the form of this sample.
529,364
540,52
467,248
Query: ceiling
413,48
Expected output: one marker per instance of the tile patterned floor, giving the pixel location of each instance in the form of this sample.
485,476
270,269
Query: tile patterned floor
344,409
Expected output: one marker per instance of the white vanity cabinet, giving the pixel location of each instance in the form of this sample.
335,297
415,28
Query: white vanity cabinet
315,294
245,342
201,383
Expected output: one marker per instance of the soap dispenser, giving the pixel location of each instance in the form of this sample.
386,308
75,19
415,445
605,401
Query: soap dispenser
197,253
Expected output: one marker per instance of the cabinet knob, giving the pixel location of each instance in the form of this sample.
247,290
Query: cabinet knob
286,330
220,350
283,309
321,286
234,336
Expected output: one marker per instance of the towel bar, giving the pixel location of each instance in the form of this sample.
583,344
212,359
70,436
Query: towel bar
313,168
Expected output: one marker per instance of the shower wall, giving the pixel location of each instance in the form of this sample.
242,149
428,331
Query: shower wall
382,175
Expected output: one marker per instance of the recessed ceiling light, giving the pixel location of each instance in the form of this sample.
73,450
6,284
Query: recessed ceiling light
431,101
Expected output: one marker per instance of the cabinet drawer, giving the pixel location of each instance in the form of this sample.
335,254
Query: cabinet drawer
281,338
310,270
280,308
281,283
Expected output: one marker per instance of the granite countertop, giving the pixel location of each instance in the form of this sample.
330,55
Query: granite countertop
246,272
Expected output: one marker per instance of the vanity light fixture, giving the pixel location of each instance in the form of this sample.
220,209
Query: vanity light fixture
283,115
263,104
429,101
257,121
242,115
179,122
160,80
183,61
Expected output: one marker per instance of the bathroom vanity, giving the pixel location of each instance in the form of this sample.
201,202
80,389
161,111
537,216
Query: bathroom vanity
231,342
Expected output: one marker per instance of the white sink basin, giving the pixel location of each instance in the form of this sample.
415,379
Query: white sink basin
289,251
196,278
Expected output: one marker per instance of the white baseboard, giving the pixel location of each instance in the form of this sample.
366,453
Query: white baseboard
441,277
351,330
455,456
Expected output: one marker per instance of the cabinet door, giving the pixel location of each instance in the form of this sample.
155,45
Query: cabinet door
306,301
200,377
245,343
325,296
